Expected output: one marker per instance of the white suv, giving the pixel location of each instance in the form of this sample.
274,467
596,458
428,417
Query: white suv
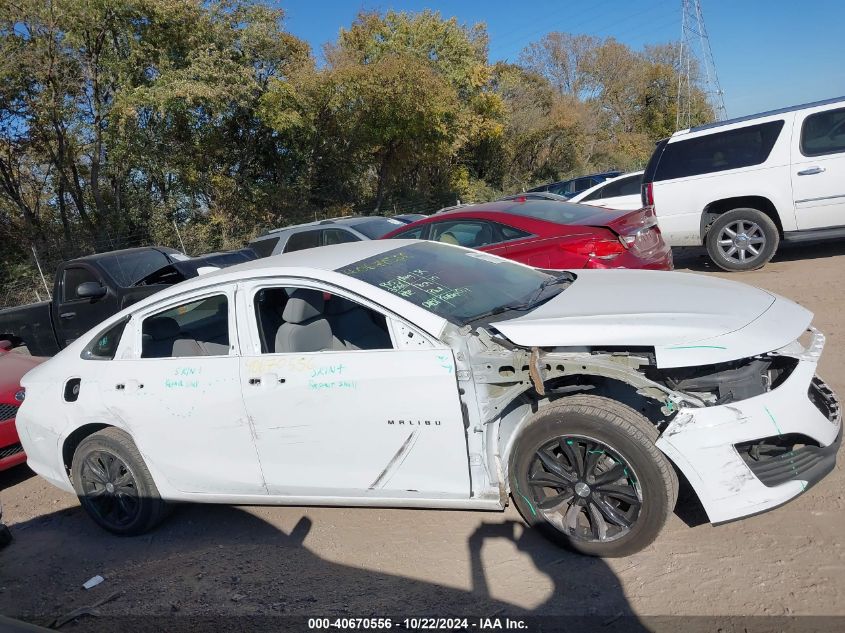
741,186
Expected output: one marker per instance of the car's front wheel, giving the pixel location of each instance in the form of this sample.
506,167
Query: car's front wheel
114,485
586,472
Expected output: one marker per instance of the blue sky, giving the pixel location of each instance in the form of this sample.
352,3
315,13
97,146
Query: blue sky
768,54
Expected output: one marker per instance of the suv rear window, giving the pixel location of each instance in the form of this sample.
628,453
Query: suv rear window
823,133
718,151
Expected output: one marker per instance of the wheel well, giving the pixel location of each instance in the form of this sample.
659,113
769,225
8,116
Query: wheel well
718,207
74,439
517,412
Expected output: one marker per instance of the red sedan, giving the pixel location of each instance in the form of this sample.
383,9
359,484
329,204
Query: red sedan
12,368
547,233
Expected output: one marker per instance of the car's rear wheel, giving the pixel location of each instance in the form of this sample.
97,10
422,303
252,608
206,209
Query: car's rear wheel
742,239
586,472
114,485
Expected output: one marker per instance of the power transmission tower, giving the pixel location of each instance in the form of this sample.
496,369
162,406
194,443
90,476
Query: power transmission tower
696,57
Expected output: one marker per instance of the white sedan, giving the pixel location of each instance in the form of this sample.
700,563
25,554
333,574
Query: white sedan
418,374
622,192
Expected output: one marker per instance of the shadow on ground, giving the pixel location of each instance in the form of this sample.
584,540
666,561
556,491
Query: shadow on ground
221,564
696,259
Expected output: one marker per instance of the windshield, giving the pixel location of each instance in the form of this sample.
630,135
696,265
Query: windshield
374,228
459,285
129,267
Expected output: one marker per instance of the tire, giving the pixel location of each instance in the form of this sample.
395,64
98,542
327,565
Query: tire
110,457
643,494
736,253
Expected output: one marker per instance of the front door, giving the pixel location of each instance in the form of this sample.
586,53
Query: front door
74,315
340,411
179,393
818,169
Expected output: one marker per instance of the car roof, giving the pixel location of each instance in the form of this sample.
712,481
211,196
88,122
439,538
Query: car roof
165,250
761,115
349,220
598,173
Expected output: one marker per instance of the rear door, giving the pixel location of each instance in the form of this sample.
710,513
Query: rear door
818,168
178,391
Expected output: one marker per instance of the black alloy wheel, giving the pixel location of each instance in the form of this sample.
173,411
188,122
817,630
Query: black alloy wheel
110,489
585,489
114,484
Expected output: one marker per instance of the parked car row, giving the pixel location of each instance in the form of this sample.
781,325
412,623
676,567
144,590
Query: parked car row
419,373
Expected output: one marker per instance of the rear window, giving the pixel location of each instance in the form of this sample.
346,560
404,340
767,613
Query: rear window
264,248
623,187
718,151
126,268
554,211
375,228
823,133
302,240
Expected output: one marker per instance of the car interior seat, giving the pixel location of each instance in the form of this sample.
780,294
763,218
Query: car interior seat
305,327
163,338
356,327
449,238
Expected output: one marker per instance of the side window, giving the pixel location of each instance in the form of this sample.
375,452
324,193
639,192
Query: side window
823,133
510,233
581,184
413,234
468,233
623,187
719,151
338,236
71,280
302,240
198,328
264,247
105,345
301,320
598,194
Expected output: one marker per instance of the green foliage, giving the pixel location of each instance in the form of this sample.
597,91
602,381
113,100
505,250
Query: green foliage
121,118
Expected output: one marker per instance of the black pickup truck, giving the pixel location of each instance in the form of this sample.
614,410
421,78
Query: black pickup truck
90,289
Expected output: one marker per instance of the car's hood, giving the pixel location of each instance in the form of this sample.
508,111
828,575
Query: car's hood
688,319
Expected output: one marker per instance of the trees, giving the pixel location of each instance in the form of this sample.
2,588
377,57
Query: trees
119,117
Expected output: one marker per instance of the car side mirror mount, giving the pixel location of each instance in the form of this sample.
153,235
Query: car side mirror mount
90,290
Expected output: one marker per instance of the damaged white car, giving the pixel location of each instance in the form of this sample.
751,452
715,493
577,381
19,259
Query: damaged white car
417,374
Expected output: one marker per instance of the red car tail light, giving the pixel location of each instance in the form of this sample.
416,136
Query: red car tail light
595,247
648,194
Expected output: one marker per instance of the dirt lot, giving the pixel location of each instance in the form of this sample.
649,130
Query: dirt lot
212,561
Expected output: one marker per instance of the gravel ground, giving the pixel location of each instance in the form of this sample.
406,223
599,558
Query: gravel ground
214,561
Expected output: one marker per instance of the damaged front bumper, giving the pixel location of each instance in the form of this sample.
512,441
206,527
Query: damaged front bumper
746,457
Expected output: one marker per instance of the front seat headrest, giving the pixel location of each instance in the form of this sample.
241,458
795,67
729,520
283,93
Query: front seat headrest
160,328
303,305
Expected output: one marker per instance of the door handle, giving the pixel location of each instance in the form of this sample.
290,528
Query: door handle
811,171
255,381
67,315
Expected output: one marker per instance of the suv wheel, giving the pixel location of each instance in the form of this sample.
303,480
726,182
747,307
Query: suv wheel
585,471
742,239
